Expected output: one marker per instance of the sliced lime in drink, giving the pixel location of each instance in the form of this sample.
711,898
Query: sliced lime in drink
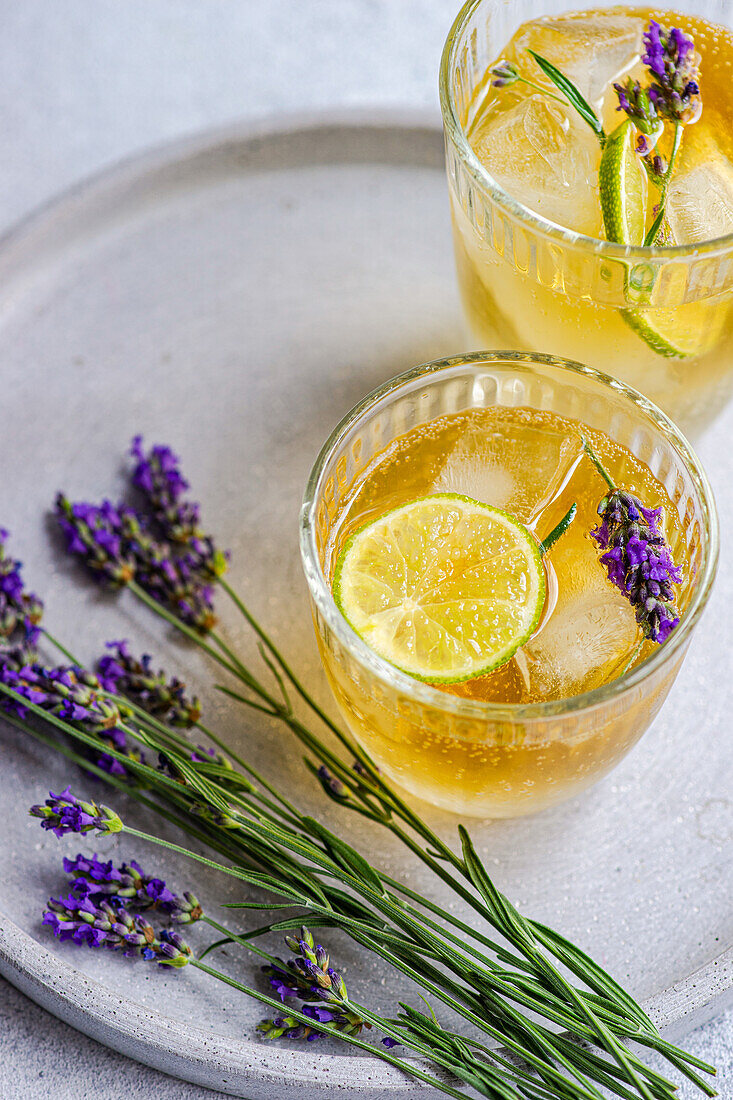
622,187
677,333
445,588
669,332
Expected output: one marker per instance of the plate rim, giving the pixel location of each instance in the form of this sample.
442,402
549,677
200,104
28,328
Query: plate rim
184,1050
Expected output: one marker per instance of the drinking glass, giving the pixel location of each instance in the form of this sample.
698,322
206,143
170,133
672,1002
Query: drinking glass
528,283
473,757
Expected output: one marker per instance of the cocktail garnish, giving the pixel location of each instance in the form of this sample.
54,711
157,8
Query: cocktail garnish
622,188
446,588
572,94
673,95
561,528
637,558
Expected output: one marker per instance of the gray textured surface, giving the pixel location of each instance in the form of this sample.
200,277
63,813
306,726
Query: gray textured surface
88,82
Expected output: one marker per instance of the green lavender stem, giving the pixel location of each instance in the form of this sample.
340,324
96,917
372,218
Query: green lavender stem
664,187
589,450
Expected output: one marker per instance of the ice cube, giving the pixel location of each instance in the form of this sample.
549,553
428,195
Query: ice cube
544,155
589,634
700,202
592,51
520,470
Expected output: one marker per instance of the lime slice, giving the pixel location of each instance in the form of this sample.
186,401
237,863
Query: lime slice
672,333
622,187
445,588
692,329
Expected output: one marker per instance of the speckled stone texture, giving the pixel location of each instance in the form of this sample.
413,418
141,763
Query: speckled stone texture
90,81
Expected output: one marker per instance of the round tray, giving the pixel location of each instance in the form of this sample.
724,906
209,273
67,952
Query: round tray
234,295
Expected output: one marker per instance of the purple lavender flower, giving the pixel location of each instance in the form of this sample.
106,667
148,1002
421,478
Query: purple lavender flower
67,691
157,474
308,977
20,611
116,543
288,1027
505,73
638,105
122,674
64,813
638,561
672,62
94,533
165,551
70,693
128,886
82,921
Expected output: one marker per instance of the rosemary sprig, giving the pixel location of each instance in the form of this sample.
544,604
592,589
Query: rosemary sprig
572,94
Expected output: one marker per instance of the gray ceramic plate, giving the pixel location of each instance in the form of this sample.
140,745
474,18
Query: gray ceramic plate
234,296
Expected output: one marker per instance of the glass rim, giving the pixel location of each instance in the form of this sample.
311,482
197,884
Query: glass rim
517,209
425,693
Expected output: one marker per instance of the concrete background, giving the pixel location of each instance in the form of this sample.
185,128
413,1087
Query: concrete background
86,82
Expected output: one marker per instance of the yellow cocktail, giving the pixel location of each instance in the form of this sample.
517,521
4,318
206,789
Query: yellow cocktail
534,267
509,430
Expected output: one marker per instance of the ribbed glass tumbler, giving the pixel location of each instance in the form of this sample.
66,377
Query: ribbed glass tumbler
659,319
472,757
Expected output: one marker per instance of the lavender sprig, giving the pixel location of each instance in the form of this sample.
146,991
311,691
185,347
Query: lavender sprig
129,886
158,476
103,925
107,922
673,95
21,611
638,561
64,813
116,543
309,977
122,674
67,691
637,558
673,64
73,694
